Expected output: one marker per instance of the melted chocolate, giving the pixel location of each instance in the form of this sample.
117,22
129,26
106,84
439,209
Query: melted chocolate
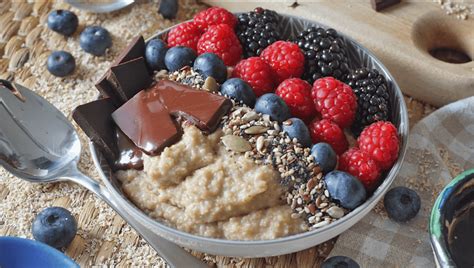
129,155
149,118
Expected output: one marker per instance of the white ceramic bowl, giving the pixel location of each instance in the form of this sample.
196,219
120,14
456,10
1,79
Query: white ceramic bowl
359,56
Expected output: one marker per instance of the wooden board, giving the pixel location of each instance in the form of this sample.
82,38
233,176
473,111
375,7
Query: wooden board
400,36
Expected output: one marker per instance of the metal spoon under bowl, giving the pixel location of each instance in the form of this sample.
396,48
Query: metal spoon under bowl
100,6
38,144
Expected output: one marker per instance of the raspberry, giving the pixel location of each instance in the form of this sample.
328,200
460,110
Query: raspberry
285,58
297,95
257,73
329,132
185,34
221,40
380,141
359,164
213,16
334,100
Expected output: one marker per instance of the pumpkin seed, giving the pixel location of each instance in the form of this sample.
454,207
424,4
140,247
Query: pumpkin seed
236,143
335,212
255,130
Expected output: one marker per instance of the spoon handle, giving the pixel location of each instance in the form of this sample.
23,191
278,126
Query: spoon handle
174,255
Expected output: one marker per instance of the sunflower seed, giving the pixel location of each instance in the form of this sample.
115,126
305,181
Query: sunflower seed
260,143
320,224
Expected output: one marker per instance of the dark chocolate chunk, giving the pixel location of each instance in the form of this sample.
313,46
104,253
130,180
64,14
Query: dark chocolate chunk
129,78
149,118
95,120
109,85
378,5
147,122
107,90
135,49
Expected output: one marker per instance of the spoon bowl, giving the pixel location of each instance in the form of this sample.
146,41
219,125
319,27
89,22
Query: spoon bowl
39,144
100,6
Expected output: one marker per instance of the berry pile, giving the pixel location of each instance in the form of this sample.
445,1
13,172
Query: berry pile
325,54
94,40
257,30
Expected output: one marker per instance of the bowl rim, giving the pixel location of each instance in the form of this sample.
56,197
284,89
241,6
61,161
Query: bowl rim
42,248
436,224
403,130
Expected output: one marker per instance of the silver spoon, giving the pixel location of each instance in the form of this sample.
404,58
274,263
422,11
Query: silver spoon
100,6
38,144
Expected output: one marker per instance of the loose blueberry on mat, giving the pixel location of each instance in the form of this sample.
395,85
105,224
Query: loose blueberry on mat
296,128
239,90
63,21
274,106
61,63
402,204
179,57
209,64
345,189
155,52
54,226
340,262
168,8
324,156
95,40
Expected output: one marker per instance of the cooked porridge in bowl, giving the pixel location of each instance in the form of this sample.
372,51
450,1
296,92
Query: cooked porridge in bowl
233,142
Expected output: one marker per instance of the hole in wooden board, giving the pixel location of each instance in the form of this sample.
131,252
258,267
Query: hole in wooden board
444,38
450,55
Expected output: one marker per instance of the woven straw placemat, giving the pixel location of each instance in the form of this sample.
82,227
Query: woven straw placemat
103,237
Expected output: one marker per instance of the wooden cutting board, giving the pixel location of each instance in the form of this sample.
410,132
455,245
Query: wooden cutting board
401,36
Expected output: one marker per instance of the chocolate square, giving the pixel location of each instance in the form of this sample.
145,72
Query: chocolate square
96,121
135,49
129,78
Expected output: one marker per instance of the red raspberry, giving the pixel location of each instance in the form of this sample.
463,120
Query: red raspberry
257,73
380,141
184,34
222,41
297,95
334,100
361,165
327,131
285,58
213,16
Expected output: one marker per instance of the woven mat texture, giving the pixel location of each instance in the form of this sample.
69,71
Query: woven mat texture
103,237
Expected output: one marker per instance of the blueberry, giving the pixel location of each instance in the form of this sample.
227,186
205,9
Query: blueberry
178,57
340,262
345,189
64,22
239,90
209,64
274,106
61,63
168,8
296,128
402,204
54,226
324,156
155,54
95,40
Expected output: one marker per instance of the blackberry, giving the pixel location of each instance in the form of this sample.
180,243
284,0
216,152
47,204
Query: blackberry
325,54
257,30
373,98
